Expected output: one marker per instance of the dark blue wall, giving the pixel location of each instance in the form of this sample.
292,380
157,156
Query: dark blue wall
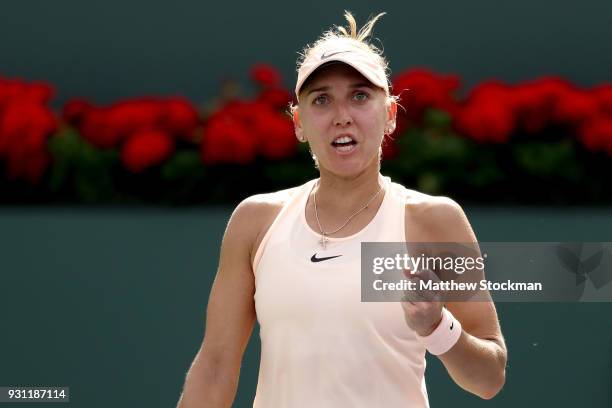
113,49
111,303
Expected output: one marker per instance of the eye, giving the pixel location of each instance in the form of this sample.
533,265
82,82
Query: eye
361,96
320,99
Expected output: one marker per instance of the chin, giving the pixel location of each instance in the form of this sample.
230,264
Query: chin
347,170
349,166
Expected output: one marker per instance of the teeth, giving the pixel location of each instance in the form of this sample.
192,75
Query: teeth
345,148
343,139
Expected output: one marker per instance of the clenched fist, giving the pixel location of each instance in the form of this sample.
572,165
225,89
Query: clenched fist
422,307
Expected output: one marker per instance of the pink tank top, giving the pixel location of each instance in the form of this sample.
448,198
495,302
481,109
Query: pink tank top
320,345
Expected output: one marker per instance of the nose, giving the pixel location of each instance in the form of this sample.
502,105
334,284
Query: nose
342,118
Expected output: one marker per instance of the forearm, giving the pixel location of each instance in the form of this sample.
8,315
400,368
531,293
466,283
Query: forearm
476,365
209,385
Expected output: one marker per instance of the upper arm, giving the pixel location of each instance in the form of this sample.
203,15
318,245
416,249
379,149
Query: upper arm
443,220
230,314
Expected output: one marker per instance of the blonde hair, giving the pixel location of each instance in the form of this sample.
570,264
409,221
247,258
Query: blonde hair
358,38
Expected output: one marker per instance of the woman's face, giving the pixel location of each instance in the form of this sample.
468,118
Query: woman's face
343,117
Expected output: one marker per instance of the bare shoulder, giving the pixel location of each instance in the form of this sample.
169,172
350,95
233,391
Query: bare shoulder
252,209
436,218
431,208
255,214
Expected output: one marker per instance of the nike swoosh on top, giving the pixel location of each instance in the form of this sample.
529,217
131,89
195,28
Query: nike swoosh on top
329,55
325,258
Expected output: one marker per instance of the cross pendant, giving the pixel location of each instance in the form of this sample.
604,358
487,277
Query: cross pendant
323,241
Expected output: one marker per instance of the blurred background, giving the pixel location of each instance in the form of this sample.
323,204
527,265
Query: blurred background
129,131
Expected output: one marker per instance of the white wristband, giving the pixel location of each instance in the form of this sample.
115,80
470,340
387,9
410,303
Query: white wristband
444,337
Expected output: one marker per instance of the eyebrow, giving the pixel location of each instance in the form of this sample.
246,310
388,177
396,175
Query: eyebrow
353,86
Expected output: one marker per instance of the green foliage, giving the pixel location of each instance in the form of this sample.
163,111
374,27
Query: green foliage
549,159
430,158
80,169
182,165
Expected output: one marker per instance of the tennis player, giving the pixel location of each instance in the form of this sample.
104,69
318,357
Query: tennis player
291,260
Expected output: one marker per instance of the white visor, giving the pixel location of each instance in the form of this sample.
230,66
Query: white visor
345,51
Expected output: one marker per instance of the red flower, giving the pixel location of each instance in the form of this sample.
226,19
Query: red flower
596,134
179,118
493,91
6,92
12,91
488,114
24,129
266,75
536,102
75,110
226,139
25,123
603,95
486,122
107,127
277,98
95,128
145,149
574,106
38,92
127,117
420,89
276,135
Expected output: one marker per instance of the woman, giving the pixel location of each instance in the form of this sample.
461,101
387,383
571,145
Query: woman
291,259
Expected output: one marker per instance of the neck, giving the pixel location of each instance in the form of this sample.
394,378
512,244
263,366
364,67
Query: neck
346,193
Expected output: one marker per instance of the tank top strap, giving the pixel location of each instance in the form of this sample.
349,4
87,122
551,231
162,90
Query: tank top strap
394,213
292,206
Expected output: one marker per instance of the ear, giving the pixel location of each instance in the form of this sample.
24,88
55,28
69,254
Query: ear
391,115
299,132
392,109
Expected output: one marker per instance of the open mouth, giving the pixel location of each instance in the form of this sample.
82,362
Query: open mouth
344,143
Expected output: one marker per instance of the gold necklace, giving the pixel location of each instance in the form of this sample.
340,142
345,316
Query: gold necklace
324,240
